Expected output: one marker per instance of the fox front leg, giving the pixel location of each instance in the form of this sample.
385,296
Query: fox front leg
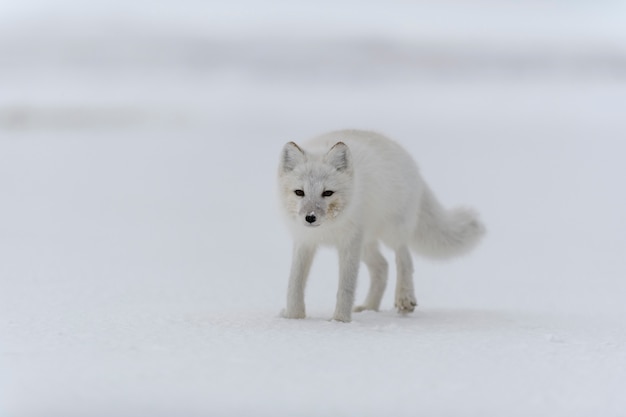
300,267
349,261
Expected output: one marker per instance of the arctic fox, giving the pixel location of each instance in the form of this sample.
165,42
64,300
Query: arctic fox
353,189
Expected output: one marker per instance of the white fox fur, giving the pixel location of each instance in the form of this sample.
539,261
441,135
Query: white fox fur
353,189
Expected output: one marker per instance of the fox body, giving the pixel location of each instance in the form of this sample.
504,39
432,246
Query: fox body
353,189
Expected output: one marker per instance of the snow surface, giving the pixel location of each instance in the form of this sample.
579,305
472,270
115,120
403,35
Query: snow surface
143,261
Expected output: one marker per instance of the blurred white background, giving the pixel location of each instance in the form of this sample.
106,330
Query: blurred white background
142,256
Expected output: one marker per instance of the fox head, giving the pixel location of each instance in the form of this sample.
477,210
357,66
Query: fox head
315,188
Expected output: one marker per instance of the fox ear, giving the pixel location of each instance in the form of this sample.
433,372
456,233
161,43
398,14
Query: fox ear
339,157
291,157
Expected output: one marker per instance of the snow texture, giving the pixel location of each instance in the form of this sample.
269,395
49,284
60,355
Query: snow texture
143,261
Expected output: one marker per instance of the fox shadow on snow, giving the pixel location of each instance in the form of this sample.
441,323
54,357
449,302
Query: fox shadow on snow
449,319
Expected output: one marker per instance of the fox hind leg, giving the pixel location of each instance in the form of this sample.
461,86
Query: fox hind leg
378,271
405,293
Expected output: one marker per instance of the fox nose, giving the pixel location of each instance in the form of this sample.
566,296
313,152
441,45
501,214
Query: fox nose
310,218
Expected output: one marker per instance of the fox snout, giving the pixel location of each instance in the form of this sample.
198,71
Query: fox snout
310,218
312,214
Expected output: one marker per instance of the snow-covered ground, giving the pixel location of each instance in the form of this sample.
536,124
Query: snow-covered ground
143,261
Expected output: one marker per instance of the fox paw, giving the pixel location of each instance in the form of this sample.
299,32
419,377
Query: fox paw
343,316
406,304
292,314
361,308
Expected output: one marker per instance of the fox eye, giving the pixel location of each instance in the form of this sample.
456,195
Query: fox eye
299,193
327,193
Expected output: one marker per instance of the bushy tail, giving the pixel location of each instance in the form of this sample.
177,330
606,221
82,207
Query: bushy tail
442,233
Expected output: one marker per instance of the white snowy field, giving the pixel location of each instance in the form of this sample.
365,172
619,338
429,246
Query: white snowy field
143,261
